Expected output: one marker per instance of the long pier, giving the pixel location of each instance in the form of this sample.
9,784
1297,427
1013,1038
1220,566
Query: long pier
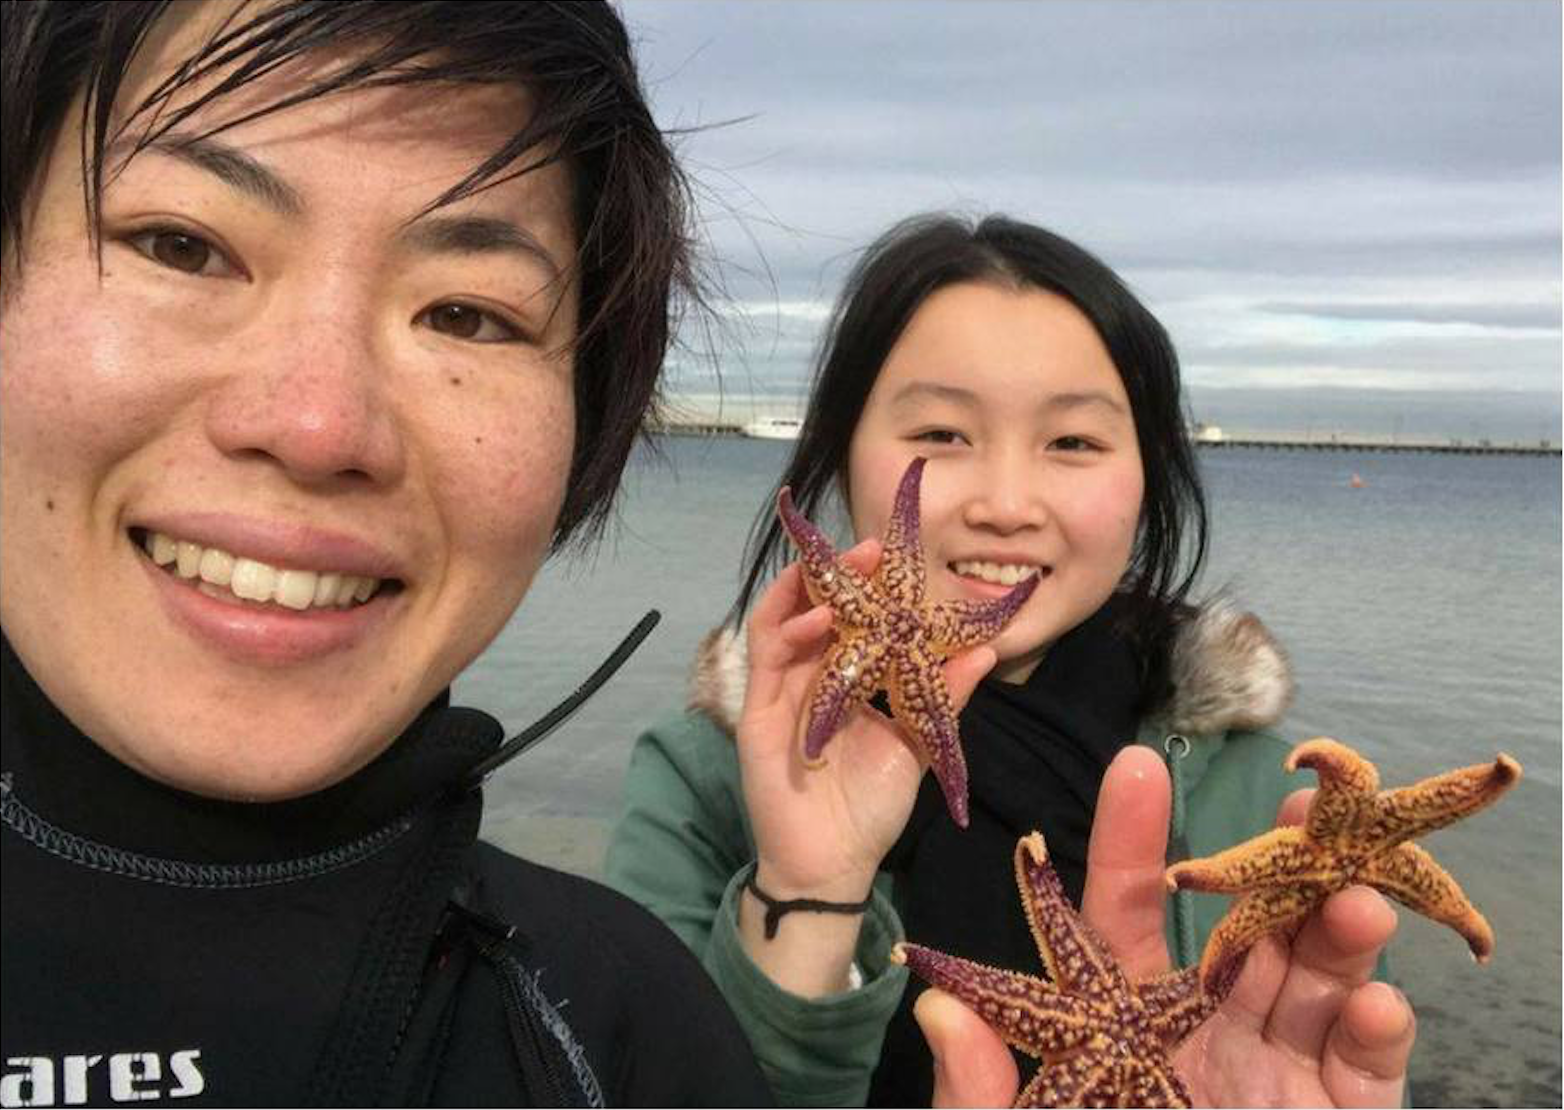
1252,441
1374,444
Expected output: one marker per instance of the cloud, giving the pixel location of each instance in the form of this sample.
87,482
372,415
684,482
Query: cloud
1518,316
1257,172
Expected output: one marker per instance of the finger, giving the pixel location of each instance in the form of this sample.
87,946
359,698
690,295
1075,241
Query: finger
806,630
864,557
965,671
1366,1057
972,1066
768,650
1333,954
1295,807
1126,859
1253,997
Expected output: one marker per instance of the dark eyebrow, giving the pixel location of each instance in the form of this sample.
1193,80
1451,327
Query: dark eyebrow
915,391
475,235
1080,400
432,235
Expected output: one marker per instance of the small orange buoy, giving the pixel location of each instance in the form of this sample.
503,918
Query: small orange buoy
1356,481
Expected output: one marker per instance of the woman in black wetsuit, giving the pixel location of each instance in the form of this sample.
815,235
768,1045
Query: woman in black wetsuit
357,323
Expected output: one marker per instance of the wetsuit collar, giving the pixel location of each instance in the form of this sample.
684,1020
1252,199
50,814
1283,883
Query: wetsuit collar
67,778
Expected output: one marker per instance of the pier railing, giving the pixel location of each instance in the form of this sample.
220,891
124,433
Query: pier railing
1283,441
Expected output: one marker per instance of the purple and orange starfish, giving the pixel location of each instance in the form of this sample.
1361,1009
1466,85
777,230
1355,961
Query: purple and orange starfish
1354,833
888,637
1103,1040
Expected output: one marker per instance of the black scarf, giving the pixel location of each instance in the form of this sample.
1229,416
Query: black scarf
1035,755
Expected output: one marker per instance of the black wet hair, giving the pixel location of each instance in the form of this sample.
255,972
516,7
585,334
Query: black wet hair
894,276
632,203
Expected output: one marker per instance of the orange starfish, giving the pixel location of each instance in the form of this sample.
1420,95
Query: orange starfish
888,637
1354,833
1103,1040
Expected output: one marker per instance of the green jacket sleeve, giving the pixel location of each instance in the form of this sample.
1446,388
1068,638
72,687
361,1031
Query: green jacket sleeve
679,848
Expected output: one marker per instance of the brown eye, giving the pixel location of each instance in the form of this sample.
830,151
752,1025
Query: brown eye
465,322
455,319
181,252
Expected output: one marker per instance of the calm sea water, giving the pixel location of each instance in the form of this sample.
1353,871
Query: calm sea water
1421,613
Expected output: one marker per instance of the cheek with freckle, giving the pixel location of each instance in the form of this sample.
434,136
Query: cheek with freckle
83,385
508,486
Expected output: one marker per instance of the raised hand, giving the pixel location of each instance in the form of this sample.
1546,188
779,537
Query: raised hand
820,832
1304,1026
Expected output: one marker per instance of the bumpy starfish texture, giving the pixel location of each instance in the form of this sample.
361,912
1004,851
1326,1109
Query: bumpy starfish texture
1103,1040
1354,833
889,638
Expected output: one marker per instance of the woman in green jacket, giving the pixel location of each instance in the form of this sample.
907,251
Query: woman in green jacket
1046,400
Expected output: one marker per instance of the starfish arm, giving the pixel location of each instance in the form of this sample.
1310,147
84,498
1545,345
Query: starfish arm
848,677
1176,1004
921,701
1441,800
1410,875
1250,918
1279,856
1027,1012
902,573
828,580
954,625
1152,1083
1347,786
1075,956
1090,1078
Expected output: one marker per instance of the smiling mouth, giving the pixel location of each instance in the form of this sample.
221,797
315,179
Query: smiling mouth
239,580
998,574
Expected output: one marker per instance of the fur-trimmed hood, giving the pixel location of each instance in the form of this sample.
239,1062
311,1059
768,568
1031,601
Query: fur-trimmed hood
1226,669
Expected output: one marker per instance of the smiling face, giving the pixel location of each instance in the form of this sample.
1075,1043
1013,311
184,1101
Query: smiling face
1033,465
279,391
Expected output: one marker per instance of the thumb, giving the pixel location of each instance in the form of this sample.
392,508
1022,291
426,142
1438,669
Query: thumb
963,672
972,1066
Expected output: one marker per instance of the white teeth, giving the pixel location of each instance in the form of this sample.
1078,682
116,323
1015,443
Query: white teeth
252,580
164,550
189,559
296,588
1006,574
217,567
220,572
326,589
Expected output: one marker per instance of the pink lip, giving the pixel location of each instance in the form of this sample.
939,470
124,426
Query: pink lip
266,637
282,544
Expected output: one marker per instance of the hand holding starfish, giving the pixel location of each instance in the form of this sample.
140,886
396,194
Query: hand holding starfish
890,636
1302,1026
1353,833
820,832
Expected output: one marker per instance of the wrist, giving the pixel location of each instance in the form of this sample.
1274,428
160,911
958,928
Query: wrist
805,952
847,886
777,908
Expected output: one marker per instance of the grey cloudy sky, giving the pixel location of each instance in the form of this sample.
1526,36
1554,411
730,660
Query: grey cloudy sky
1350,195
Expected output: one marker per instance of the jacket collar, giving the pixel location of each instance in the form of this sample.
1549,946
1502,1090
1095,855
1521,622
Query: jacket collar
1227,671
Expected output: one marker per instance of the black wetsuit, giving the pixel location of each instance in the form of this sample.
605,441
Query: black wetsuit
355,947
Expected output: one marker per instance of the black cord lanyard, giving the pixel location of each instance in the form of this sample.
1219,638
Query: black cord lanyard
565,709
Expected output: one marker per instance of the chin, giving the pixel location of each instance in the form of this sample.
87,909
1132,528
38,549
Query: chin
254,768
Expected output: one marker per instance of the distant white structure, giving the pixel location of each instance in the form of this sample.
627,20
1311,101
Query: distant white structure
774,427
1208,433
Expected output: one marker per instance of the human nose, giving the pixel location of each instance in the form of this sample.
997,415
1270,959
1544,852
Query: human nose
1005,495
312,400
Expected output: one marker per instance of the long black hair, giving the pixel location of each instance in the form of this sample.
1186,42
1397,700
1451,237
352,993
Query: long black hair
632,203
895,275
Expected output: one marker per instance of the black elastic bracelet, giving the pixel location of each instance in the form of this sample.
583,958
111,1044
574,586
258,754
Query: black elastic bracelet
776,907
